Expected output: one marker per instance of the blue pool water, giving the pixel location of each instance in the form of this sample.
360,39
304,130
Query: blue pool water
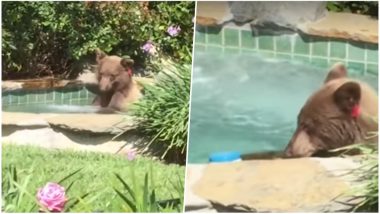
247,104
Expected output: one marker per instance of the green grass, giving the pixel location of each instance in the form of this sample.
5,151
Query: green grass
36,166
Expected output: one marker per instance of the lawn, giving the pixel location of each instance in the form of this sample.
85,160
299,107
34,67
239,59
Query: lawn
37,166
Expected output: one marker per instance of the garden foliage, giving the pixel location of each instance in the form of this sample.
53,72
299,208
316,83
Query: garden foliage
48,38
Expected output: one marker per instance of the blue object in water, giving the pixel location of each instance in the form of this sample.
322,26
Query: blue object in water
224,156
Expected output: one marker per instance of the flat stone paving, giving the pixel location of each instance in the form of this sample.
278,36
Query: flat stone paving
83,132
282,185
344,26
96,123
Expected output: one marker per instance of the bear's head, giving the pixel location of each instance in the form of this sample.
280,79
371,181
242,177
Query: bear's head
327,122
113,73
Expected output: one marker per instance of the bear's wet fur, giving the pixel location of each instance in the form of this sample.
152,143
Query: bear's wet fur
327,122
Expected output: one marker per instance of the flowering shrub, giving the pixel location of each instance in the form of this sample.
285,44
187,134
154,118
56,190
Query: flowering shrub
48,38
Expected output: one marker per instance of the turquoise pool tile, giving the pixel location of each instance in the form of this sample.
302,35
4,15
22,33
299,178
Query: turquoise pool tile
231,51
320,48
5,100
84,102
75,102
372,53
283,56
266,43
199,48
355,68
356,51
267,54
248,52
301,58
75,94
283,44
91,97
83,93
231,37
332,62
319,62
41,97
214,49
50,96
214,36
200,36
66,96
247,39
302,46
32,98
23,98
57,96
372,69
13,99
338,49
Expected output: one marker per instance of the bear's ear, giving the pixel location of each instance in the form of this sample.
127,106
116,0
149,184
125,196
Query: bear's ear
127,62
347,96
99,55
338,70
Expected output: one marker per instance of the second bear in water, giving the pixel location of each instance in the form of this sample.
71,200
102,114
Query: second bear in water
117,90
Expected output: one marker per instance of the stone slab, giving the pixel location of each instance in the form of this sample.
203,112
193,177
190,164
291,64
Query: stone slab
25,119
345,26
295,185
96,123
193,202
50,139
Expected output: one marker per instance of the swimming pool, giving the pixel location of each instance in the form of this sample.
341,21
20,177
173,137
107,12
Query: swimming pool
247,103
69,99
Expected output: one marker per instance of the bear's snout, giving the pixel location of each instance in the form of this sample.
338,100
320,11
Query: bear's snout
105,84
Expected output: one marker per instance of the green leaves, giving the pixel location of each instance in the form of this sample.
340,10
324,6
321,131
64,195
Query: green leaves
163,111
63,32
145,200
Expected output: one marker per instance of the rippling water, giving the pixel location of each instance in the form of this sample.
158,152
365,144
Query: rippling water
247,104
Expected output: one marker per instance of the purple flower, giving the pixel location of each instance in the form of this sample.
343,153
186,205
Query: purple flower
148,47
131,155
174,30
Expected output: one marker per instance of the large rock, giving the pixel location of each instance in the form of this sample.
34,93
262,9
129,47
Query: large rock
345,26
284,14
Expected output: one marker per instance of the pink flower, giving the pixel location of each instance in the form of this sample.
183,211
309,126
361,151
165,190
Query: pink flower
174,30
149,47
52,197
131,155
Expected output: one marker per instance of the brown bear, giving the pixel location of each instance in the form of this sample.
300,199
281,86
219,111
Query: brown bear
117,89
339,114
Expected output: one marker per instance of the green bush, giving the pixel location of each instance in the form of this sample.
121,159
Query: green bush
46,38
365,195
359,7
164,110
